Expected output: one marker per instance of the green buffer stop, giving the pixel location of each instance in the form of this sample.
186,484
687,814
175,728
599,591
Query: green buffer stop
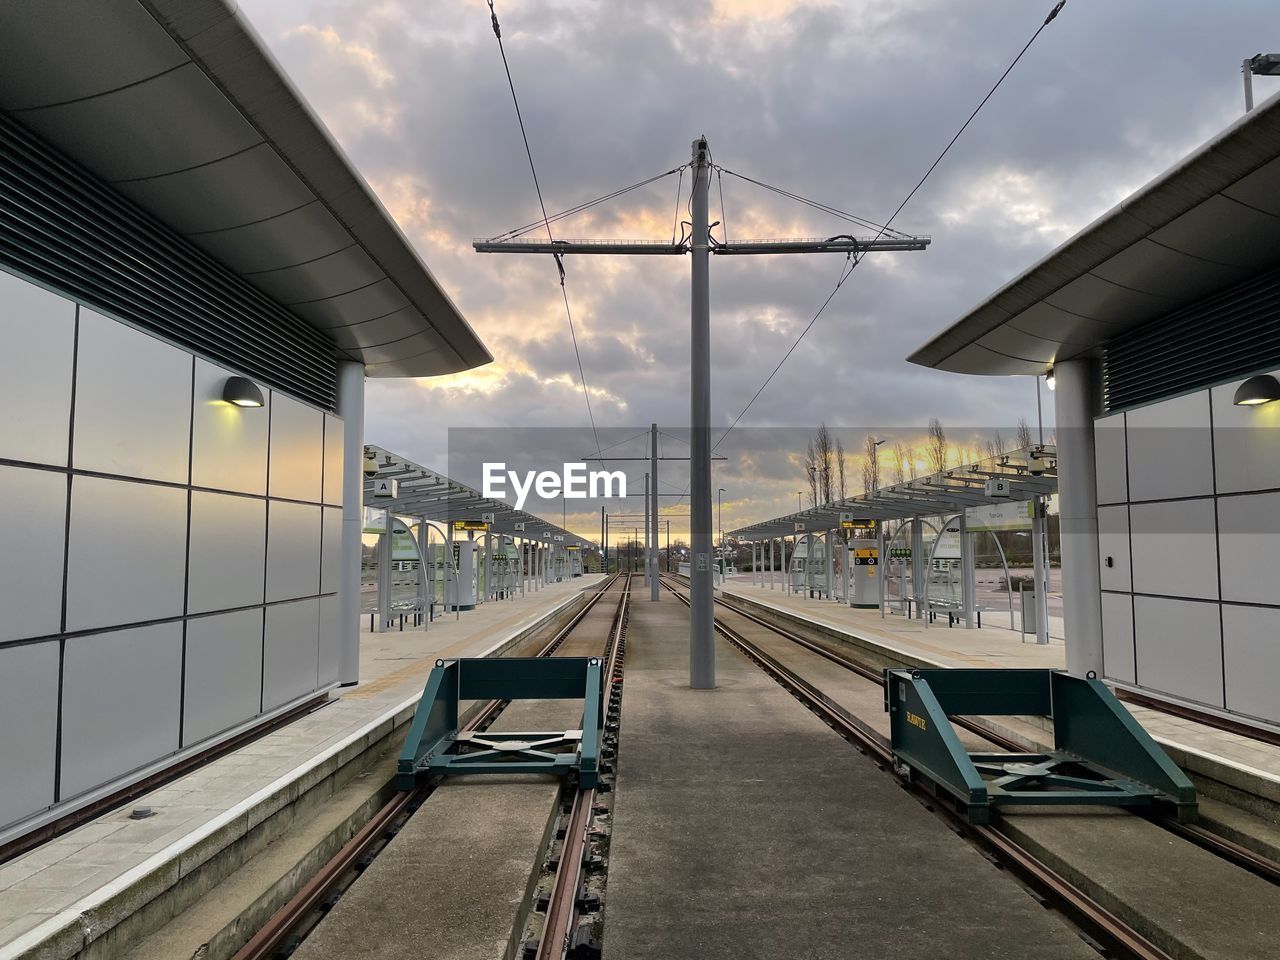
1101,755
436,745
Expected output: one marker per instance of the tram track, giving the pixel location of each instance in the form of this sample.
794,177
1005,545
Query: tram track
289,925
1234,853
1095,920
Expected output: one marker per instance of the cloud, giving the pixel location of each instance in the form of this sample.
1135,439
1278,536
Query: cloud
844,102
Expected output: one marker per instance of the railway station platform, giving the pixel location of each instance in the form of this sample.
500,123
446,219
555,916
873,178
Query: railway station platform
92,889
745,827
1244,764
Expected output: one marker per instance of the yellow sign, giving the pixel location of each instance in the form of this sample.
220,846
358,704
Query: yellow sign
856,524
916,721
574,546
470,525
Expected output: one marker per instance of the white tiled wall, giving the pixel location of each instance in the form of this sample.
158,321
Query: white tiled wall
182,589
1189,515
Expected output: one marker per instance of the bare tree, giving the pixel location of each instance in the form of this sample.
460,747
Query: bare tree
811,472
1023,438
937,448
825,450
899,462
994,446
870,465
840,466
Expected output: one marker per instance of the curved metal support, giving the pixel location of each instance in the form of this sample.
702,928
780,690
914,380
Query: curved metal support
932,550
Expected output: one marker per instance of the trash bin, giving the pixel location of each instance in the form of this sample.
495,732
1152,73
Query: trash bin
1029,608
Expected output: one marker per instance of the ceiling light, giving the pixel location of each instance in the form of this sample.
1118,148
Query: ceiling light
1256,391
242,392
1050,380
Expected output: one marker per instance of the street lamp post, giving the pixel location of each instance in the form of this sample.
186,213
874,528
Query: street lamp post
799,508
720,515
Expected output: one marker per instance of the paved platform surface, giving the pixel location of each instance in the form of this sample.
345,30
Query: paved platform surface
992,647
745,828
56,882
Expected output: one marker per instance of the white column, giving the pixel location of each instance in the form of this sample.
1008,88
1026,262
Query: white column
1073,404
1040,571
968,578
351,410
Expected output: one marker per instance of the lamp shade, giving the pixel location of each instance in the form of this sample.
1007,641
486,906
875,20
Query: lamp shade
242,392
1257,390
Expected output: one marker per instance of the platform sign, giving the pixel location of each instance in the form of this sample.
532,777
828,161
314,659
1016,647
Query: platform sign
518,527
574,546
1013,515
900,553
948,547
703,563
799,527
465,525
849,522
375,520
386,488
558,538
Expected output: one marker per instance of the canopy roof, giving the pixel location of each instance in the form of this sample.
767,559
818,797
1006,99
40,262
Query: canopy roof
951,491
425,493
177,105
1210,221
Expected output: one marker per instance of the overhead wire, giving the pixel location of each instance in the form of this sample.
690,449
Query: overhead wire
533,170
586,205
852,262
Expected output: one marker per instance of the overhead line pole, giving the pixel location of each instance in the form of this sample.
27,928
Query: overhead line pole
653,511
702,673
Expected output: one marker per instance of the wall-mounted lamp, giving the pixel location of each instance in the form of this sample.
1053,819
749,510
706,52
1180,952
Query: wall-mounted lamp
1050,380
1257,390
242,392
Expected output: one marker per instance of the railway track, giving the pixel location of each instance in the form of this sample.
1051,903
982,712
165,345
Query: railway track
292,922
1241,856
1100,924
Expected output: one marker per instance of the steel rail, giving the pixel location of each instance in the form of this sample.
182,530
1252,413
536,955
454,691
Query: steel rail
1234,853
309,899
1083,910
558,928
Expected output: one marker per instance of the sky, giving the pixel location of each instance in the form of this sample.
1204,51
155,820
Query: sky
844,102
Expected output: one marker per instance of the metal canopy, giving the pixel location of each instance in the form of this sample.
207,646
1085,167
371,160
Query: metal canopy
951,491
425,493
1211,221
177,105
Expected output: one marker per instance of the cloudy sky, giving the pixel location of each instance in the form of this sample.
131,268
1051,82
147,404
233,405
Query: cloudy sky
844,102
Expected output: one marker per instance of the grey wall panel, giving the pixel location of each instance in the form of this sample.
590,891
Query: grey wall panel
293,551
224,673
28,728
133,402
128,552
33,516
330,640
1170,449
1113,548
291,664
333,433
331,550
297,449
120,701
228,551
1109,443
37,324
1246,443
229,443
1179,648
1174,548
1248,533
1251,651
1117,636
